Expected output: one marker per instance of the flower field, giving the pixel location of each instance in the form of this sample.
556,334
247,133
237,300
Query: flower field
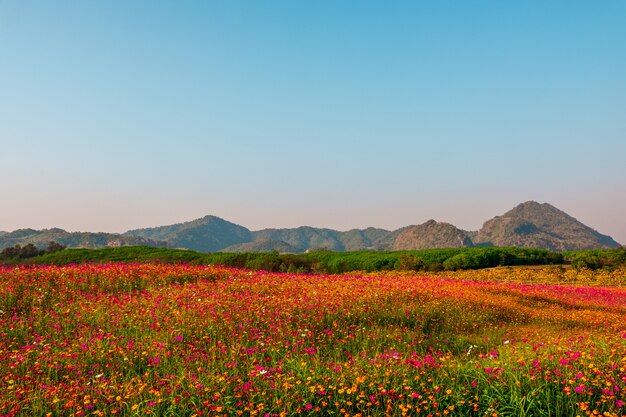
137,339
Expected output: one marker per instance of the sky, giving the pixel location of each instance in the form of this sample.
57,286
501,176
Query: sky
117,115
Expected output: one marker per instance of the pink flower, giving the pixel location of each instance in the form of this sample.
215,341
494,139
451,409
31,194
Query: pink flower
579,389
308,407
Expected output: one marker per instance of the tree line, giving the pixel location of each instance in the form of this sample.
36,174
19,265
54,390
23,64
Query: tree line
598,258
325,261
319,261
29,251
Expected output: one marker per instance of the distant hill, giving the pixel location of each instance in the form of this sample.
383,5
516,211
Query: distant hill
431,235
305,238
208,234
263,246
536,225
530,224
41,238
366,239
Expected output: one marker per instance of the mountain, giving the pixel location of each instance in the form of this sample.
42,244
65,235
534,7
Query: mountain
208,234
529,224
431,235
365,239
305,238
536,225
41,238
262,246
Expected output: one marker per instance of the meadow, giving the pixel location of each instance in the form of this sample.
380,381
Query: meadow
179,340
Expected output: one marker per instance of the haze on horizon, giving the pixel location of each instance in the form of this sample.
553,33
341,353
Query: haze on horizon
120,115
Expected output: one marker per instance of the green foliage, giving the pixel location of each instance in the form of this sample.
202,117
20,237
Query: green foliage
322,261
460,261
29,250
597,258
409,262
490,257
55,247
10,253
121,254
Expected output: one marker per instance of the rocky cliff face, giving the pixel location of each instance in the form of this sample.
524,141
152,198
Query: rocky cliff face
430,235
536,225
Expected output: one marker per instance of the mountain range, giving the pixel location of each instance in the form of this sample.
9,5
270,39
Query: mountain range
41,239
530,224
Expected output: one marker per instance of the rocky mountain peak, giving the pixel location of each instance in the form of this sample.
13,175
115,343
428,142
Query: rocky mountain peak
540,225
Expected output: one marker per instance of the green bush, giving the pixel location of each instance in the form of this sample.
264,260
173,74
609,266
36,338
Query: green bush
598,258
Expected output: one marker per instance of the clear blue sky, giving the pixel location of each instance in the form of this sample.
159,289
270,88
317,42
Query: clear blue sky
125,114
